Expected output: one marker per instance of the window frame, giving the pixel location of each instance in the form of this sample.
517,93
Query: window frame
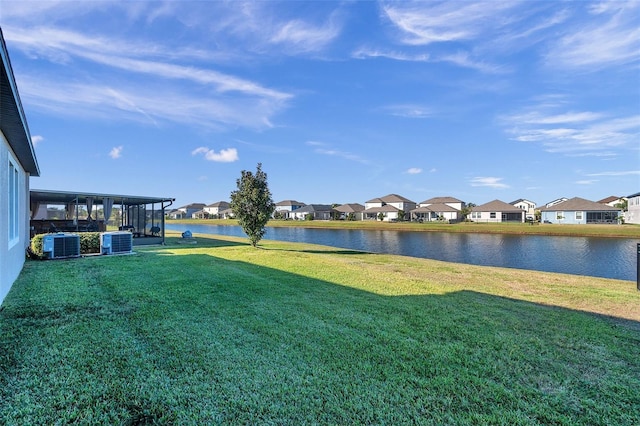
13,204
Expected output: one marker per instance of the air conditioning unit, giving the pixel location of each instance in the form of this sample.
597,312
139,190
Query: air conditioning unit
116,242
60,246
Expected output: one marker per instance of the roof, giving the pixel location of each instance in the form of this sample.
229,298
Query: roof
435,208
637,194
391,198
290,203
383,209
193,206
13,122
609,199
395,198
441,200
310,208
65,197
219,204
579,204
350,208
496,206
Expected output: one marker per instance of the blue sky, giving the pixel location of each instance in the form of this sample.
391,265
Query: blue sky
341,102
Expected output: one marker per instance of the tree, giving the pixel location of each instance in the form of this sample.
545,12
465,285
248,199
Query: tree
251,203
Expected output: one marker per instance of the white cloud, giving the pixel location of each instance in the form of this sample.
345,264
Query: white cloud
409,111
301,36
625,173
342,154
491,182
575,133
585,182
364,53
116,152
36,139
414,171
228,155
610,38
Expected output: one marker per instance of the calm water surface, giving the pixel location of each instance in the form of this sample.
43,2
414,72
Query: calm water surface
598,257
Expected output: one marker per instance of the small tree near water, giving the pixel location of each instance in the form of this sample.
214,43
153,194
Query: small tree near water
252,204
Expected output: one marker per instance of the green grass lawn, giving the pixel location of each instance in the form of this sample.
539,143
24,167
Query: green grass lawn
591,230
221,333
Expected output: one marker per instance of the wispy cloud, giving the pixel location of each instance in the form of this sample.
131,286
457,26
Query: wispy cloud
116,152
409,111
365,53
583,133
616,173
301,36
228,155
491,182
210,98
611,37
585,182
414,171
423,23
341,154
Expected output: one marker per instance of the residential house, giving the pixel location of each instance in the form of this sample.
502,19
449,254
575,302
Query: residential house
226,214
317,211
17,163
580,211
435,212
449,201
438,208
391,206
345,210
613,200
284,208
212,211
632,215
529,207
497,211
186,212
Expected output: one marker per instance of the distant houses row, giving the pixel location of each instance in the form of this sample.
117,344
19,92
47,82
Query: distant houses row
394,207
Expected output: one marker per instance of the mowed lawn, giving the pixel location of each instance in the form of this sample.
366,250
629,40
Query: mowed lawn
221,333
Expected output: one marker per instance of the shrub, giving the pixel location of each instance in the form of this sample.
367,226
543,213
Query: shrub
89,243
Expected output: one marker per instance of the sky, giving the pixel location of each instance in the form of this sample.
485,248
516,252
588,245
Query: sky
341,102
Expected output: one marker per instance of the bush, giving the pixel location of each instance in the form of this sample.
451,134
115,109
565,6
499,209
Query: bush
89,243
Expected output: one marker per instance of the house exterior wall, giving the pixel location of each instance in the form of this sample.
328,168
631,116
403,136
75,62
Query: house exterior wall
486,217
632,215
12,250
568,217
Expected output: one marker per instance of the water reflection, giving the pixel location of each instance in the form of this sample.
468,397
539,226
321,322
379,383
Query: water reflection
599,257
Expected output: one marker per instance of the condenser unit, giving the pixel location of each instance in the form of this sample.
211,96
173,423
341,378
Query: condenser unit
60,246
116,242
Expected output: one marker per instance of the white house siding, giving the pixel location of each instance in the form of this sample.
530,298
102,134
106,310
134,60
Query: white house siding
632,215
12,253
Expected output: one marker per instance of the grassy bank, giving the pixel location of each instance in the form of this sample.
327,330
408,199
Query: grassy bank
614,231
220,333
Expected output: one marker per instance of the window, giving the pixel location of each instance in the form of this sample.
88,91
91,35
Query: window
492,215
14,204
578,215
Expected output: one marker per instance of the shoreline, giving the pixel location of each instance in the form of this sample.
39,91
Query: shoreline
627,231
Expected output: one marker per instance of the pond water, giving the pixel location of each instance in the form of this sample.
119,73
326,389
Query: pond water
592,256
